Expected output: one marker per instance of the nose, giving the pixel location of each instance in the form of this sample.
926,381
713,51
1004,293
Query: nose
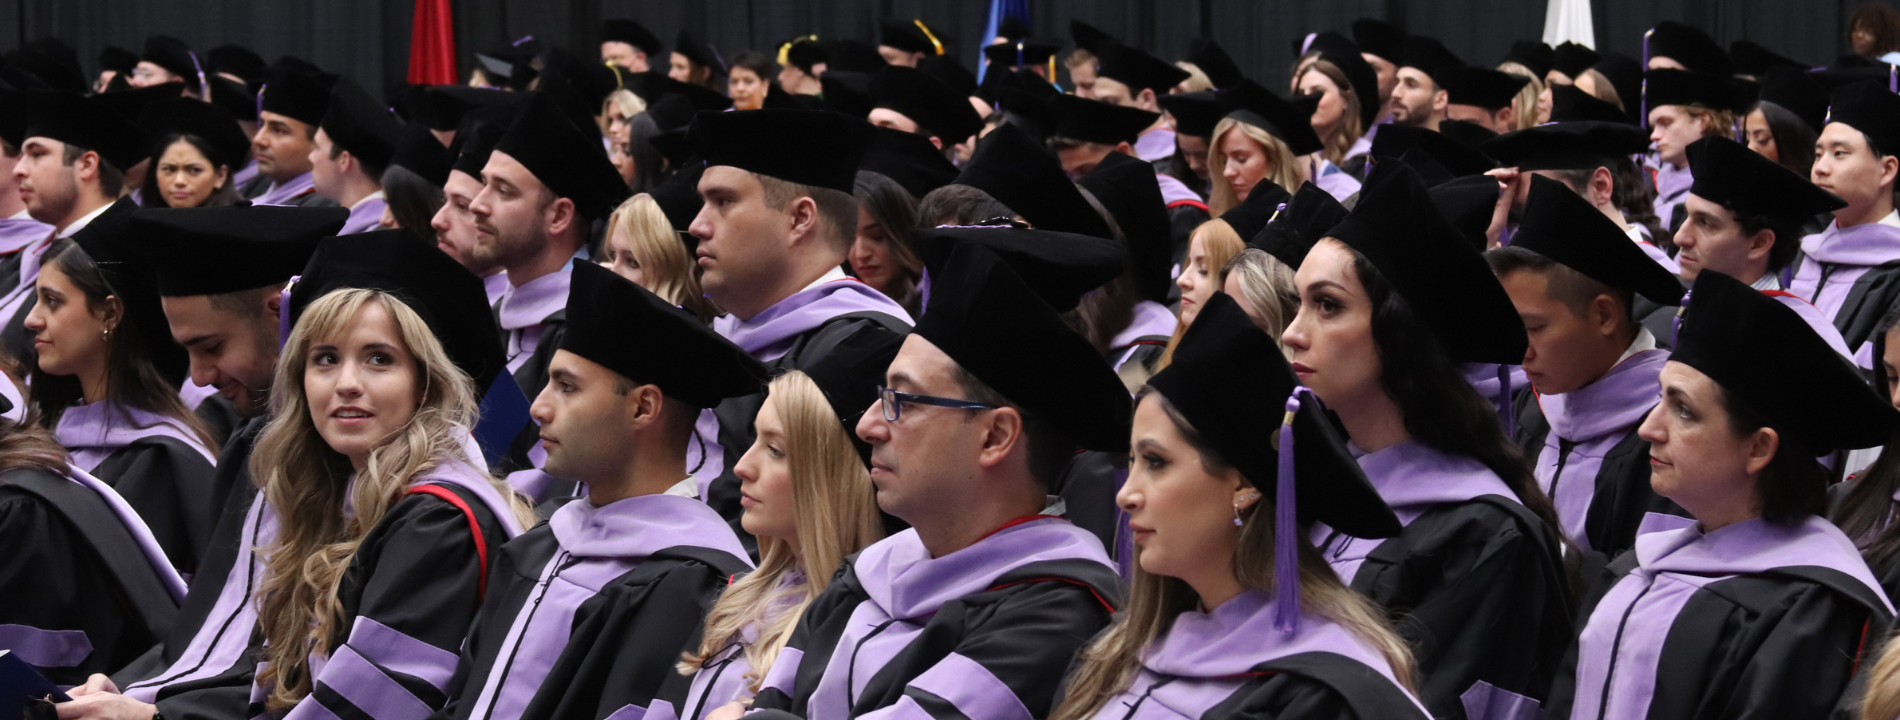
748,467
1294,336
872,428
478,206
543,409
203,372
440,220
701,226
349,380
1651,430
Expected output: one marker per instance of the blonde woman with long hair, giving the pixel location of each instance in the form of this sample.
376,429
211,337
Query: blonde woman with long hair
1260,277
387,520
642,247
1530,110
1260,140
1231,611
809,501
1210,247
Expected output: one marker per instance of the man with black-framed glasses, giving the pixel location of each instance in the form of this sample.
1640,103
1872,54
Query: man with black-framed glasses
977,610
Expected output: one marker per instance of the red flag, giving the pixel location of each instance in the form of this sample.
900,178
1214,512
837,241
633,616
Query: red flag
432,45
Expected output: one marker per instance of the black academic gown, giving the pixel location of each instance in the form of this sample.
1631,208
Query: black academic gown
407,601
1873,294
1017,634
170,483
1623,495
1788,643
220,418
72,566
13,335
191,689
625,640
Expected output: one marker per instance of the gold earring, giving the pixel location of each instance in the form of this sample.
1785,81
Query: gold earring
105,334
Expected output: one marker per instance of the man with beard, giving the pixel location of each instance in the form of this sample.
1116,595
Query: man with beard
290,108
1418,99
454,224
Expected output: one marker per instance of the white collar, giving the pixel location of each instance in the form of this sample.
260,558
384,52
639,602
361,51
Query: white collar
1644,342
688,488
21,215
836,273
1892,218
378,195
81,223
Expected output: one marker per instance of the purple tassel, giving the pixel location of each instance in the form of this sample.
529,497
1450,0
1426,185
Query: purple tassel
204,87
1676,324
283,312
1643,120
1507,415
1286,528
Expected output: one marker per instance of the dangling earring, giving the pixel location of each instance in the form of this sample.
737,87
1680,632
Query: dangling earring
1249,496
105,334
1237,515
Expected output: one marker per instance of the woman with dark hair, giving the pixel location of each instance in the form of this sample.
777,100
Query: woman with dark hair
641,165
87,589
1392,302
747,80
1874,32
200,148
106,383
1778,134
1754,606
411,201
1866,505
881,254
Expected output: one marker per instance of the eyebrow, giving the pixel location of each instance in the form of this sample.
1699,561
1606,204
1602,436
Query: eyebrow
563,375
1148,444
196,339
900,378
1323,284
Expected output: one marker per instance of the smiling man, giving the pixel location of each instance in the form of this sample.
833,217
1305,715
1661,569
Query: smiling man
1572,273
589,612
1846,270
778,220
543,185
978,609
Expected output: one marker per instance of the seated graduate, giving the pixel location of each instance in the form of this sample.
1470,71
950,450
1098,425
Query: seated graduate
977,610
87,587
1865,504
1847,269
424,538
1260,277
221,273
1231,612
1744,217
809,501
1129,318
1572,273
1757,607
375,415
588,613
106,383
1475,582
1261,139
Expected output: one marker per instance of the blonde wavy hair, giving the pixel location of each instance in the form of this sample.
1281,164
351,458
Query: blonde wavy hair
1350,128
1286,171
1109,663
1222,244
669,270
623,100
1266,287
1526,100
1883,686
834,507
304,480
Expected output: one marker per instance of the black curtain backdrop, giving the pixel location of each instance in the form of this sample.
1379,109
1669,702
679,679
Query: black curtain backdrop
369,39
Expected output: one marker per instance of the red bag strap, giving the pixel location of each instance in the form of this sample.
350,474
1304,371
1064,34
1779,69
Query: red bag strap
474,529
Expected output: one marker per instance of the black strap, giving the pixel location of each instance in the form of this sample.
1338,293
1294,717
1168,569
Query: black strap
94,520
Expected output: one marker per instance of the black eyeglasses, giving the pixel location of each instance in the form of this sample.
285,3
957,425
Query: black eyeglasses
893,402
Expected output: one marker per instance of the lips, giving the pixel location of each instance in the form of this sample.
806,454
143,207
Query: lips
1659,462
1302,370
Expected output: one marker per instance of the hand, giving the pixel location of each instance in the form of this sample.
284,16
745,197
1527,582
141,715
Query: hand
729,711
96,684
1508,181
105,706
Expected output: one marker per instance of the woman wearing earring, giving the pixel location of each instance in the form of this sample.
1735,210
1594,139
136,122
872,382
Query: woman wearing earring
1758,607
1231,613
809,501
374,411
106,384
1392,300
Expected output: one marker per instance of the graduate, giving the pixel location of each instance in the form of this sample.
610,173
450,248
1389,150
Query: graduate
628,44
168,60
1844,270
544,183
1215,627
18,230
454,225
220,274
412,184
643,248
1684,107
897,170
1213,247
905,42
1393,280
587,614
1135,79
1863,505
1591,365
376,396
106,382
1742,212
1483,96
912,101
695,63
778,222
1011,175
1418,99
1130,319
1675,46
810,503
1088,130
1585,156
1338,79
1195,115
352,147
291,108
1260,277
1757,607
199,149
1260,139
991,369
71,195
87,587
